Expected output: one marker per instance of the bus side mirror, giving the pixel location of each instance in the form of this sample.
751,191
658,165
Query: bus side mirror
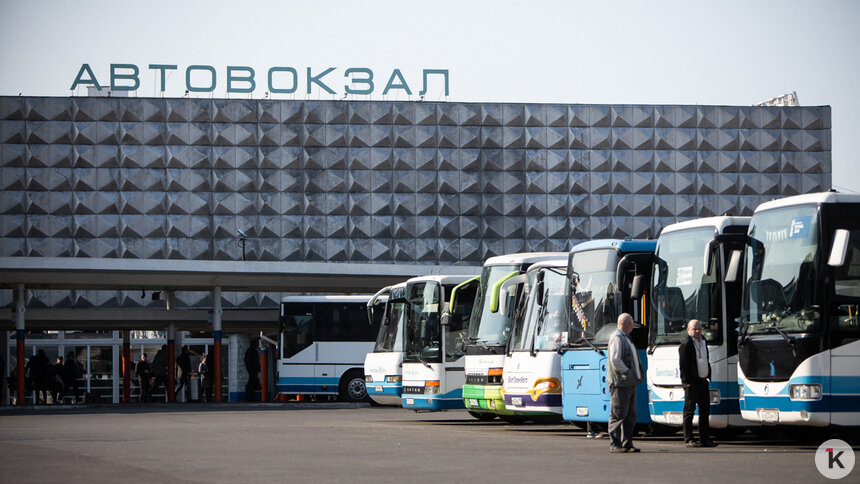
734,266
636,289
709,247
839,249
504,292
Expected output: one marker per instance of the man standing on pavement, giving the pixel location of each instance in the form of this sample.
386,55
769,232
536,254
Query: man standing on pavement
695,372
623,374
183,372
252,365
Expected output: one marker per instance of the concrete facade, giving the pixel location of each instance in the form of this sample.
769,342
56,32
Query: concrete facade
375,181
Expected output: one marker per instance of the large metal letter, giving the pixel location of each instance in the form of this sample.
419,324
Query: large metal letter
427,72
133,76
163,68
291,90
368,81
316,80
402,85
252,84
191,88
92,80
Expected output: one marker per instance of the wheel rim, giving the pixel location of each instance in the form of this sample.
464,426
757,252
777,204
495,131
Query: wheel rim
356,389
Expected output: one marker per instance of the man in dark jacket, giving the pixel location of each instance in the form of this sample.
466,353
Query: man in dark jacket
183,373
695,372
624,373
252,365
71,375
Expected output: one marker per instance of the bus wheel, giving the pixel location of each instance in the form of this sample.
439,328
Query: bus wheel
482,416
352,388
514,419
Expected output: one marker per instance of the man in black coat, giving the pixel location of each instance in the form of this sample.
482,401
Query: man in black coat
695,372
252,365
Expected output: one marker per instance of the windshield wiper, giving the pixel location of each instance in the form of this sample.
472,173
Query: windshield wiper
418,357
788,339
589,343
745,333
481,342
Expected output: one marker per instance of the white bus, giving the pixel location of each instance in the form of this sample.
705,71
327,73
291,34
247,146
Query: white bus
799,348
383,374
323,343
688,283
489,332
435,346
532,371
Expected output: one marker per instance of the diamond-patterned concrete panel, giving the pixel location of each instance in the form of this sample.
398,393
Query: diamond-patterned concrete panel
387,182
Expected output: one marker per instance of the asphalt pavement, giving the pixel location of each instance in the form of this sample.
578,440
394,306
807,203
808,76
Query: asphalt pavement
339,442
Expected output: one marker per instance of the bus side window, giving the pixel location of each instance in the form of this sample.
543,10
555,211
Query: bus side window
847,277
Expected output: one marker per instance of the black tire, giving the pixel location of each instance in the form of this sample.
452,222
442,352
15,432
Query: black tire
483,417
514,419
352,387
546,419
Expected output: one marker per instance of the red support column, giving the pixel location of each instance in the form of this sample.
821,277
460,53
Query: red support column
20,337
126,369
264,374
171,370
22,389
217,366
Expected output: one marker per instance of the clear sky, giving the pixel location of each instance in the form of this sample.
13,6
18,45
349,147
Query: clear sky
616,52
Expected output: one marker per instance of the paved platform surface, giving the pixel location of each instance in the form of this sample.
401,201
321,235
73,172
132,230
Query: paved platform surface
332,442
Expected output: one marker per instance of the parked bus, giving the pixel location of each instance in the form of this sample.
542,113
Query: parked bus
324,340
532,370
489,331
799,347
382,366
600,275
434,345
688,283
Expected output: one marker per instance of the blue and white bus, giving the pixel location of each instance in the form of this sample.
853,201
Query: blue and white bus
688,283
382,367
799,347
323,343
601,275
435,345
532,370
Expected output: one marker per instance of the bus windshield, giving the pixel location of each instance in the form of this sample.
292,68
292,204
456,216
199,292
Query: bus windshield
390,338
423,322
596,299
541,324
781,261
681,291
487,327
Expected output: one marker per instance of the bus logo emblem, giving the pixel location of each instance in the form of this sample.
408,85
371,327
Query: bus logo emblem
579,382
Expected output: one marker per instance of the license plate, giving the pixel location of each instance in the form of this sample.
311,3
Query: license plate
473,402
517,401
770,416
675,418
378,388
410,401
582,411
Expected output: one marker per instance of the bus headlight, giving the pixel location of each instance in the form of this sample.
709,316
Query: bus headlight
393,379
431,387
368,379
715,396
805,391
740,391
